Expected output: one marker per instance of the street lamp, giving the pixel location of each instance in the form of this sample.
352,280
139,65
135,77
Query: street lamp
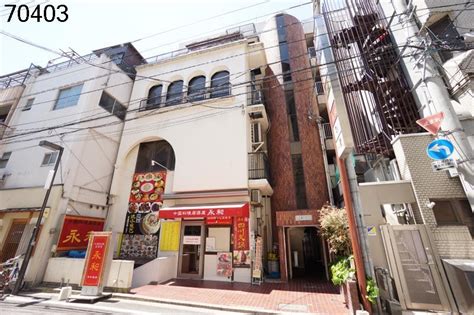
31,243
153,163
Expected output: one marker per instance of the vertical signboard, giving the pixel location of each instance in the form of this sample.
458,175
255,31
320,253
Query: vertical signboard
95,263
142,225
241,252
170,233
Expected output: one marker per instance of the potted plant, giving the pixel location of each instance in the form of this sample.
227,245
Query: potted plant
334,227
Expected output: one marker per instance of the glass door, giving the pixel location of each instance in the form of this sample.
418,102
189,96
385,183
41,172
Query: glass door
191,250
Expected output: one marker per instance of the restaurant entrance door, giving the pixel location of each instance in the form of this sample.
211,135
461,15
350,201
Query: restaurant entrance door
191,251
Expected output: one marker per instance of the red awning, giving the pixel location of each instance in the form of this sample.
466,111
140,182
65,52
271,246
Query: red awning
204,211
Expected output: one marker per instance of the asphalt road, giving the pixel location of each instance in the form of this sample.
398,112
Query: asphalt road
40,305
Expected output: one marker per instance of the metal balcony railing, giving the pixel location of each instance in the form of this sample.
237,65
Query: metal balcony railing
258,166
255,96
327,131
181,98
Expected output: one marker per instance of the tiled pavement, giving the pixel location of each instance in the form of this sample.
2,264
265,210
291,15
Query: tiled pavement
297,295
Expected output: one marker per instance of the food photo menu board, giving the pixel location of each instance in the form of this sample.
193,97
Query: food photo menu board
142,225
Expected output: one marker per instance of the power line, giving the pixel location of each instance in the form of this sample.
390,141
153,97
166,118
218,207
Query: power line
200,21
325,48
139,99
138,109
138,117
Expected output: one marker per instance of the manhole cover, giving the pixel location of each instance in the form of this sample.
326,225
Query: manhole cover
293,307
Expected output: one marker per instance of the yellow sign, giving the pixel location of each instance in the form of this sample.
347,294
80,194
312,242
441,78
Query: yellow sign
170,234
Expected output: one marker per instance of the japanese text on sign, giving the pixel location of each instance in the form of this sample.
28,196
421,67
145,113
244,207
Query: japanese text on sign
76,230
95,259
241,233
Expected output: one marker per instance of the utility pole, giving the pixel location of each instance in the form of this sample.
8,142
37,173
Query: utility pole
430,88
32,242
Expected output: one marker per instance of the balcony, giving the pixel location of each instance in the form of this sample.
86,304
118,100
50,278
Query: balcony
259,173
256,108
327,132
171,100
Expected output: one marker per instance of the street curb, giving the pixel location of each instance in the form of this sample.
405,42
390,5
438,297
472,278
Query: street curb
144,298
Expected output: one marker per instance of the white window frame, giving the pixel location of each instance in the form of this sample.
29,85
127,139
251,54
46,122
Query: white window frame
65,89
29,104
50,160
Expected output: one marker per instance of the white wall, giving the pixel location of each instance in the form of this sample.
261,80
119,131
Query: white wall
25,161
210,144
69,271
160,269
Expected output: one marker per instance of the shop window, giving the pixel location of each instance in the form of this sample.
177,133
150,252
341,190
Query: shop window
175,93
218,239
220,85
158,151
68,97
154,96
454,212
197,88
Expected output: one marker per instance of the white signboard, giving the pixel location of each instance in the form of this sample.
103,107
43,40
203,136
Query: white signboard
442,165
306,217
192,240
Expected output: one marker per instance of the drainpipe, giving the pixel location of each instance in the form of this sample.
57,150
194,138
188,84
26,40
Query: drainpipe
438,99
356,248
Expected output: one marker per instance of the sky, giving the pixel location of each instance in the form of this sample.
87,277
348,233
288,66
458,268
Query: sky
154,27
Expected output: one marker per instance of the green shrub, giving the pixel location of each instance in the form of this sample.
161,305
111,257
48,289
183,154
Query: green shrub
334,228
341,270
372,291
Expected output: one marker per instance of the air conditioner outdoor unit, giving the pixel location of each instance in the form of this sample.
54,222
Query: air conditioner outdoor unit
256,197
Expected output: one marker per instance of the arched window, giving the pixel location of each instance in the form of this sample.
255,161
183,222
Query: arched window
220,85
160,152
197,88
175,93
154,96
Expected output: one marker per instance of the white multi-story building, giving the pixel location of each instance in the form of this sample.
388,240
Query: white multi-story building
193,148
80,105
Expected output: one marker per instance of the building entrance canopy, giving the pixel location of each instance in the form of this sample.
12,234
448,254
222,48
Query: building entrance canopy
205,211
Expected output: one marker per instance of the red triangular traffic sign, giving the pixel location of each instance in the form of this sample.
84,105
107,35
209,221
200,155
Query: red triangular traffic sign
431,123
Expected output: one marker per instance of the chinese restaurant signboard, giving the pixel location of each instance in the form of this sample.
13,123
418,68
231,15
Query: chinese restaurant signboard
94,266
76,230
140,239
239,210
241,241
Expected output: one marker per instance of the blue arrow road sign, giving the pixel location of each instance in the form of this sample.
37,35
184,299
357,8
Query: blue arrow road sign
440,149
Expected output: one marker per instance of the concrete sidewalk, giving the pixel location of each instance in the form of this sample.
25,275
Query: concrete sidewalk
301,296
316,297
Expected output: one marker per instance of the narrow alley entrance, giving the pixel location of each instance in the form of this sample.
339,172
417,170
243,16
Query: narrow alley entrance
306,253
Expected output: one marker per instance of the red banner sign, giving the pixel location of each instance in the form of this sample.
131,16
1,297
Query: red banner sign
95,259
240,210
241,233
76,230
219,221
